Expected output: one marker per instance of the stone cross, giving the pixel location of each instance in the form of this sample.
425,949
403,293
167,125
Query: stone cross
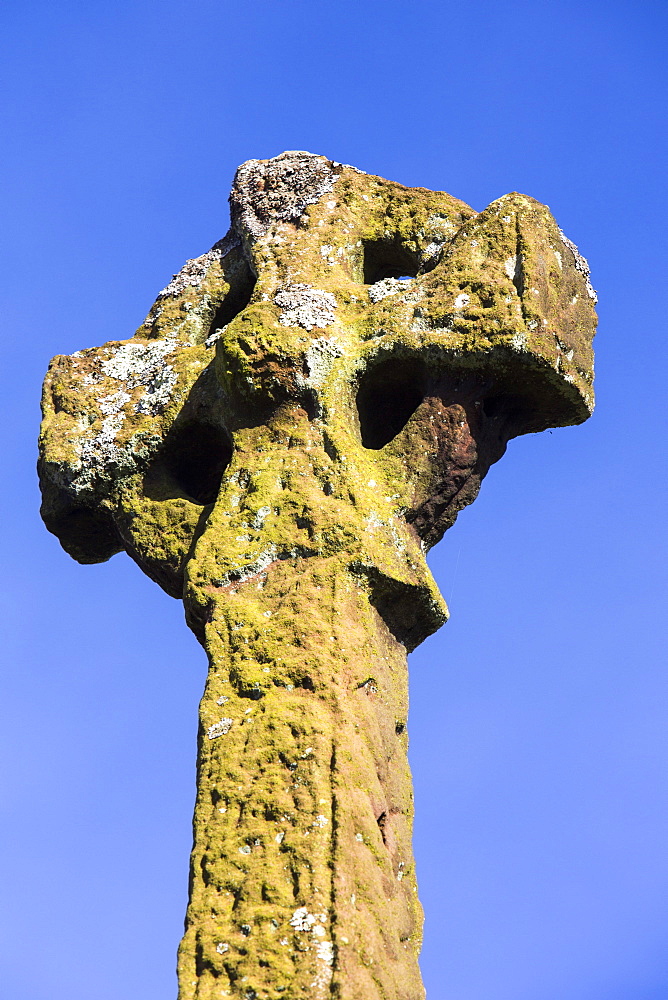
301,416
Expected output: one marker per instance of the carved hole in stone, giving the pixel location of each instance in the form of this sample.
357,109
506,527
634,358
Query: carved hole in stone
388,259
241,288
190,465
387,397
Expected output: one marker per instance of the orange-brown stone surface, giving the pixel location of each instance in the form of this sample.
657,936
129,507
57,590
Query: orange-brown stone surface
301,416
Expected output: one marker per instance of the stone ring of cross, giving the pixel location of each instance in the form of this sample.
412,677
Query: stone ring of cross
303,413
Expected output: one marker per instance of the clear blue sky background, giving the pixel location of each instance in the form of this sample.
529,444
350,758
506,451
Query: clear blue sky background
539,713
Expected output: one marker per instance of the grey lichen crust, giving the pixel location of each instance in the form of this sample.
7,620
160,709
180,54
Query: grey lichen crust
304,306
278,190
303,413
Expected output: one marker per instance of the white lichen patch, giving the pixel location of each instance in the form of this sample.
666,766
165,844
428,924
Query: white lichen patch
462,300
267,192
324,949
158,392
433,249
510,266
399,542
100,452
388,286
305,922
324,953
220,728
302,920
442,222
144,365
114,403
98,461
305,306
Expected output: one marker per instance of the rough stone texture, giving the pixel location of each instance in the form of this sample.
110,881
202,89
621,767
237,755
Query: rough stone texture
302,414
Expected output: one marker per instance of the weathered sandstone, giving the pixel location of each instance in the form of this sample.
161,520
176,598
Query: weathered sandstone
301,416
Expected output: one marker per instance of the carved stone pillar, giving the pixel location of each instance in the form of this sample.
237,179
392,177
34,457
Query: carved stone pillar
301,416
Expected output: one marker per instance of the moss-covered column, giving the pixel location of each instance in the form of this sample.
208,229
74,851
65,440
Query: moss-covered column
302,878
302,873
303,413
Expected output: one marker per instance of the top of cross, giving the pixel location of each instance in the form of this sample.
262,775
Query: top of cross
415,334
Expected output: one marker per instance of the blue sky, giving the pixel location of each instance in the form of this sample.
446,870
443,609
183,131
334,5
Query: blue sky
539,713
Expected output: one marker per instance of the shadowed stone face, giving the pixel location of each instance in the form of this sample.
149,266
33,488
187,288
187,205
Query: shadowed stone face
301,416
